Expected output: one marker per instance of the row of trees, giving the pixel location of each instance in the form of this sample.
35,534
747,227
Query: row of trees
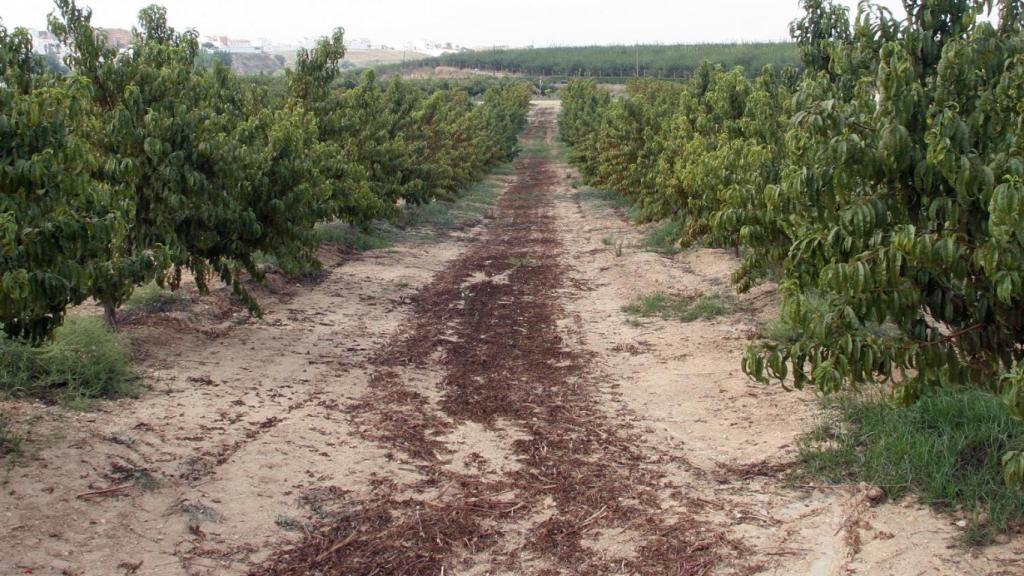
659,61
884,185
143,163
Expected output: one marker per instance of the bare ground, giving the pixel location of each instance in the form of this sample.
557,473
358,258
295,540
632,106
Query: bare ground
474,406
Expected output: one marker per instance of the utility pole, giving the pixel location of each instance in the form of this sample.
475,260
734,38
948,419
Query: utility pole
637,59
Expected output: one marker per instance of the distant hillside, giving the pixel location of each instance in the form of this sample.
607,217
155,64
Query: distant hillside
668,61
256,63
373,58
365,58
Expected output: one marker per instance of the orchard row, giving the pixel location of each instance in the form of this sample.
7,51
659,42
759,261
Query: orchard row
142,163
882,187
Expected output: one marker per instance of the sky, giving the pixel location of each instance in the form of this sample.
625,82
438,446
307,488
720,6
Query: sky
463,22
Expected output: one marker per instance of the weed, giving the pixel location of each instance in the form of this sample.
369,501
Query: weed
686,309
415,222
430,222
664,239
780,331
538,148
506,169
199,512
707,307
611,241
349,236
84,360
472,206
606,198
946,448
522,262
153,299
10,443
140,477
289,524
437,215
560,153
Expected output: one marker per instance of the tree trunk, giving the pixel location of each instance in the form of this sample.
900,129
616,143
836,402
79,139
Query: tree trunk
110,315
736,250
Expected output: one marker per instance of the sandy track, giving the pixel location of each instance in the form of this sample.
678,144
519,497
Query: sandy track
474,406
565,468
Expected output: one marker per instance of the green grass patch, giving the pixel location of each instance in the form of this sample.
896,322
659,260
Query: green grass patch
946,449
430,222
540,148
561,152
664,239
606,198
354,237
437,215
479,197
418,222
505,169
153,299
537,147
84,360
414,222
683,308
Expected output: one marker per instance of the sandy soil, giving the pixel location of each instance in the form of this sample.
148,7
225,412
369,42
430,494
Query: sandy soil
477,405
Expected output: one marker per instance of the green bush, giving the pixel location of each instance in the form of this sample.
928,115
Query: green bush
946,448
85,359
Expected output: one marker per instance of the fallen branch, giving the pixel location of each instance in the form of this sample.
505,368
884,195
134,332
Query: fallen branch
336,547
105,491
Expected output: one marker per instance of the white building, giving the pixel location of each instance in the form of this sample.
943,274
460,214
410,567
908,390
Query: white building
237,46
358,44
212,43
43,42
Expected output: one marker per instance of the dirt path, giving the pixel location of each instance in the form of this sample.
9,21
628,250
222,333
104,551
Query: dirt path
523,466
474,406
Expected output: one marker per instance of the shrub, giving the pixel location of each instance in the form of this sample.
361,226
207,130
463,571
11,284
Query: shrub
85,359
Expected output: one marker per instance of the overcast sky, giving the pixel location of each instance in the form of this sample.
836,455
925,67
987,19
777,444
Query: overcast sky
469,23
